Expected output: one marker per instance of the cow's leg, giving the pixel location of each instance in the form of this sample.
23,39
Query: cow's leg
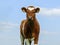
27,42
36,41
30,42
22,39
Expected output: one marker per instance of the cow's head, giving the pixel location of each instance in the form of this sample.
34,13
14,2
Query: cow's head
30,12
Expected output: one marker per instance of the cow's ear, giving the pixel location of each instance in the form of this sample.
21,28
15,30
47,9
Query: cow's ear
23,9
37,10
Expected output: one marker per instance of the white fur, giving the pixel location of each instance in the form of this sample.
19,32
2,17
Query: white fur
35,44
27,41
21,39
31,8
32,39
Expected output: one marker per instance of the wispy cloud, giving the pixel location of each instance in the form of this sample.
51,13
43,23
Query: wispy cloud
50,11
43,41
7,25
49,33
8,34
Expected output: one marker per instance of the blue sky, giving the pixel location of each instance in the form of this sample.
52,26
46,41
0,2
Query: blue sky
48,17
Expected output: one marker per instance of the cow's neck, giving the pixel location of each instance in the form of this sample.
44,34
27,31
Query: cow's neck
31,23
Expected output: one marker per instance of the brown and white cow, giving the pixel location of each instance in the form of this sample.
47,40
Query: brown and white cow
30,28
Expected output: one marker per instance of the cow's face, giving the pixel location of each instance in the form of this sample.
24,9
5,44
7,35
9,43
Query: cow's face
30,11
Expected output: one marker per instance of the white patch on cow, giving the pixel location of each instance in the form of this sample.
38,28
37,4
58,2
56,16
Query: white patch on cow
32,39
31,8
35,44
27,42
21,39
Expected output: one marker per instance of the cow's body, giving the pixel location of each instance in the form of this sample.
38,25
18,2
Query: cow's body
29,30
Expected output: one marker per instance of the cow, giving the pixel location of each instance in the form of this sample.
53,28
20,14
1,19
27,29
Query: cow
30,27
